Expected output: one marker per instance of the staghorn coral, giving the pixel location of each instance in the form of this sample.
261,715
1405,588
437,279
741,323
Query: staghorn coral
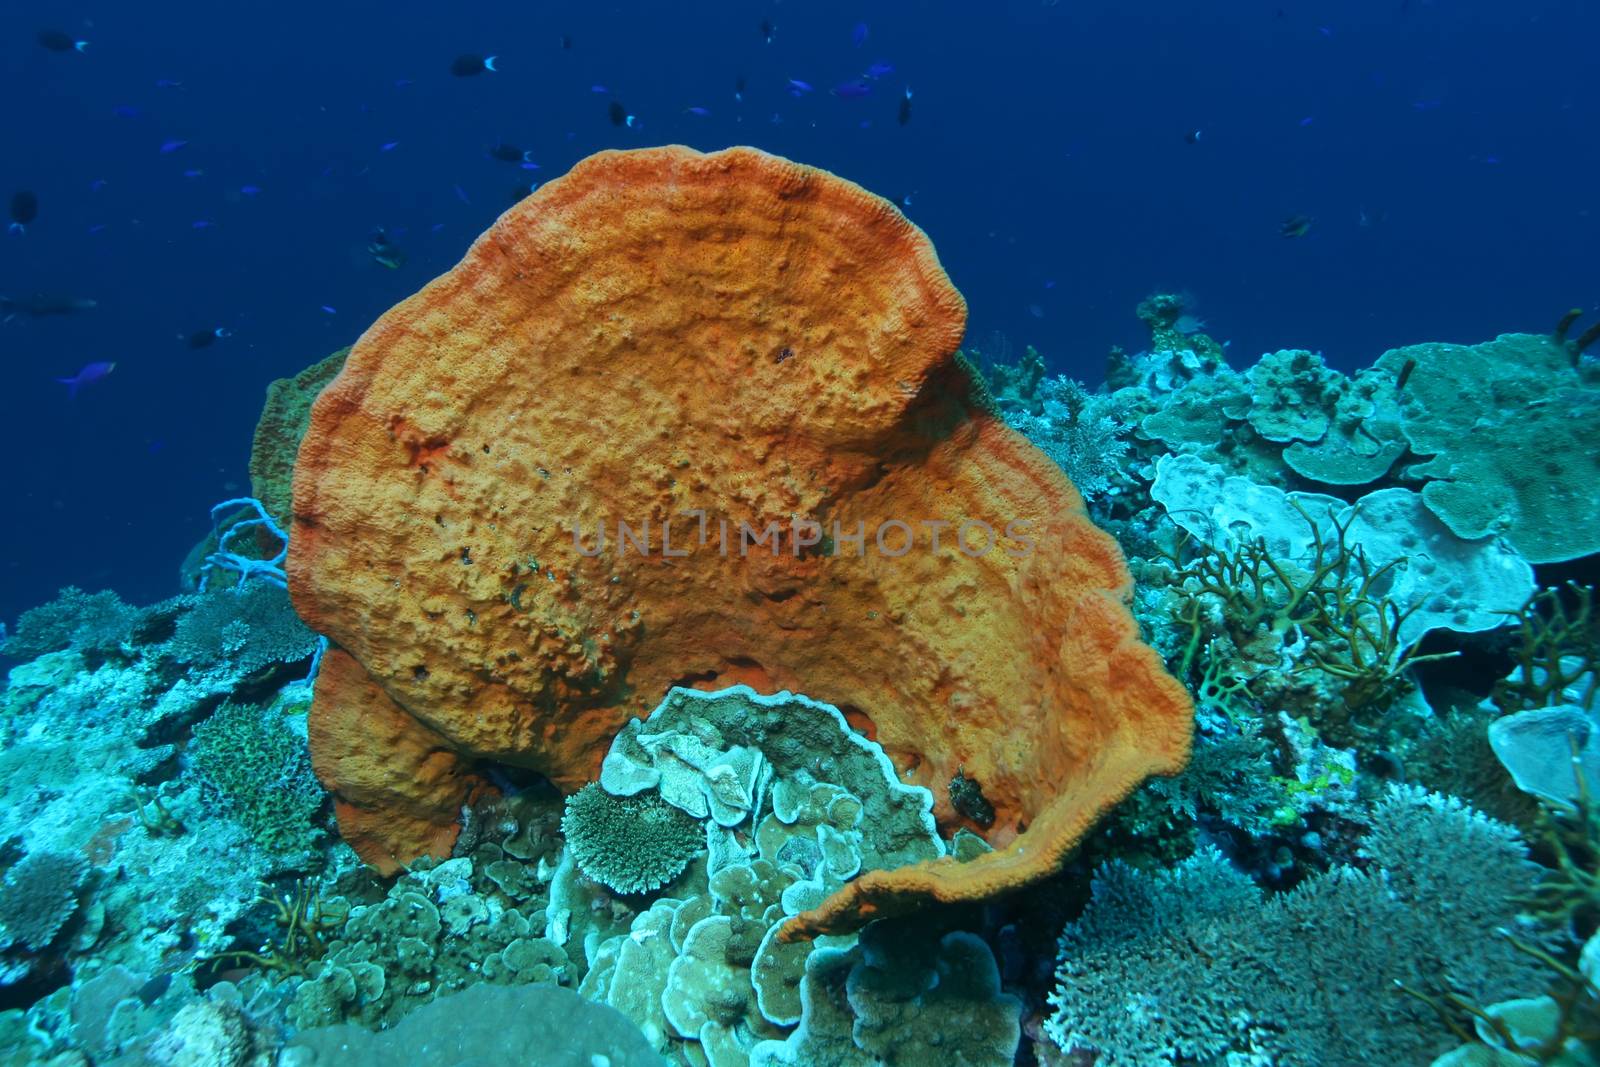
746,340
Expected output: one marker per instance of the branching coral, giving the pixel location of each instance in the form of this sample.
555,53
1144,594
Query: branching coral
1557,649
304,923
1194,964
1075,429
89,622
1333,600
250,627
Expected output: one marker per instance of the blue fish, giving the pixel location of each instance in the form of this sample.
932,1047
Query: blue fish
701,111
799,88
91,373
852,90
858,36
878,70
171,146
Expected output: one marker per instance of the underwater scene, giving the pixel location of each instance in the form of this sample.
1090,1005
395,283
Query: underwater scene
800,534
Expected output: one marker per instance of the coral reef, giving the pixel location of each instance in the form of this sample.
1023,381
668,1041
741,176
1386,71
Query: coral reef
435,517
1336,594
1513,429
1194,964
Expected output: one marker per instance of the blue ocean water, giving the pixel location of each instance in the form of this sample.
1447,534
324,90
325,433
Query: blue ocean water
1444,149
1238,270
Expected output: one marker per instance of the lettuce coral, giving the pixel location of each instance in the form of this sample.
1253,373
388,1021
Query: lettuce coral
1512,427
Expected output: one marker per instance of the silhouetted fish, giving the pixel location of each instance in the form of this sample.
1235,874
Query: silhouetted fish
24,209
38,305
59,41
468,66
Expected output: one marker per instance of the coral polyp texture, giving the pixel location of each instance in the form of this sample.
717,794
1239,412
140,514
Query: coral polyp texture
732,365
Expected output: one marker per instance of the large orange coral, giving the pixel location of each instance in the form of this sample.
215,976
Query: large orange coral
690,342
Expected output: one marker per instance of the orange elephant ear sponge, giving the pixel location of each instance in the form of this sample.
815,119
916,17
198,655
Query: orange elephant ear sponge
742,373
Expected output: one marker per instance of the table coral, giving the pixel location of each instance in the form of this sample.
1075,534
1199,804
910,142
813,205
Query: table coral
684,343
1513,429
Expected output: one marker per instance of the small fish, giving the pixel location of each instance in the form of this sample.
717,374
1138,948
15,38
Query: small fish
201,224
388,146
328,310
58,41
24,209
620,115
703,112
506,152
767,30
854,89
799,88
1295,226
878,70
168,83
403,83
738,89
905,107
858,36
470,66
599,90
168,147
91,373
207,338
1193,136
1308,120
384,252
249,190
461,194
192,172
39,305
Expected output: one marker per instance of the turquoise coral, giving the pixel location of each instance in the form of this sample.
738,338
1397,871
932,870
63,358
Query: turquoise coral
1512,427
632,844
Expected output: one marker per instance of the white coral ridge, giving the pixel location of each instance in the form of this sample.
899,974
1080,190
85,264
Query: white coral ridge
1456,584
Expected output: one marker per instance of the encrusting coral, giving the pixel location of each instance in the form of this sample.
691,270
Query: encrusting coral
688,344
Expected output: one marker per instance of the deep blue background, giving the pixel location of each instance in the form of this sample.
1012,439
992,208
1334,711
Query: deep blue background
1046,157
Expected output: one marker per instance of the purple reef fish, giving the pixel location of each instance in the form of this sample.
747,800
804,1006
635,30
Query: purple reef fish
91,373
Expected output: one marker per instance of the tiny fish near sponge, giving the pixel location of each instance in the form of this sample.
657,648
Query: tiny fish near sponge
665,338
